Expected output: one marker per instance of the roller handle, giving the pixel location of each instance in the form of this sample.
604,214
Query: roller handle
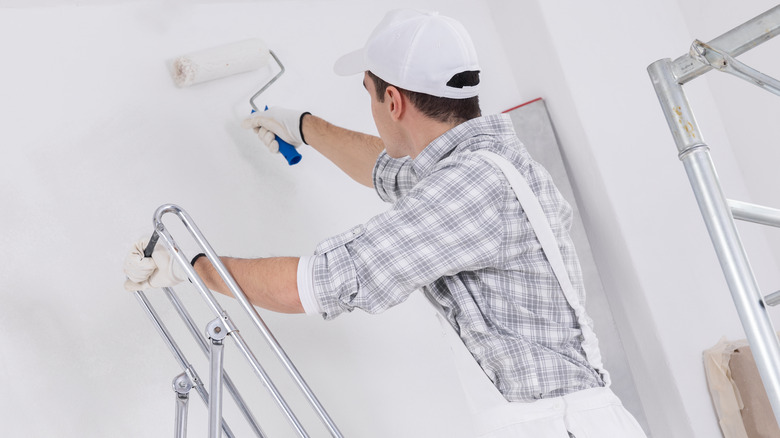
287,150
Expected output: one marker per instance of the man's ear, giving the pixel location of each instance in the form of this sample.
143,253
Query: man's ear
397,102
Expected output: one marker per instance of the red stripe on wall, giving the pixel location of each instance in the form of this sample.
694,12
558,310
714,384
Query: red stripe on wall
522,104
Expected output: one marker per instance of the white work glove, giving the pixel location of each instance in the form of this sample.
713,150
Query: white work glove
159,270
285,123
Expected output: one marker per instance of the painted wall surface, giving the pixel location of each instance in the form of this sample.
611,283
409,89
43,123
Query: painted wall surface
96,136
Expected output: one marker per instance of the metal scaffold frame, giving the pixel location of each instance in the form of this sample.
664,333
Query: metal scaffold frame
719,213
216,331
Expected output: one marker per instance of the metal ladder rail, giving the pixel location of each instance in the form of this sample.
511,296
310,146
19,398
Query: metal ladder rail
202,341
668,77
223,321
189,371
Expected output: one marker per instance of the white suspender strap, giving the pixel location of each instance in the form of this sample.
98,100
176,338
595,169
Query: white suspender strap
544,233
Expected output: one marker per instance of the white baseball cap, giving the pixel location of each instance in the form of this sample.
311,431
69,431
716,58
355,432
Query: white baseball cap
417,51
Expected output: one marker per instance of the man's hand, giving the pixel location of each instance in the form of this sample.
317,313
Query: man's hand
159,270
279,121
353,152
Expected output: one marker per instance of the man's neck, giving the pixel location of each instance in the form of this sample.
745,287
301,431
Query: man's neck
423,131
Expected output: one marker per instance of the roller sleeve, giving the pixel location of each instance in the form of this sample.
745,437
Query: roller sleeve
221,61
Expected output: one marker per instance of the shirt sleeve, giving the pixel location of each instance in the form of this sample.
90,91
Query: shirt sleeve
393,177
305,286
448,223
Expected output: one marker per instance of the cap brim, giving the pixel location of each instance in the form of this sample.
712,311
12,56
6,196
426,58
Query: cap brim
351,63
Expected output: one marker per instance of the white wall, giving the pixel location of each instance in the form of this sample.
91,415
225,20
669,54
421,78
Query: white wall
670,300
97,136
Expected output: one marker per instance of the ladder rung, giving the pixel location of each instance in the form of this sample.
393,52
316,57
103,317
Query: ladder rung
755,213
773,299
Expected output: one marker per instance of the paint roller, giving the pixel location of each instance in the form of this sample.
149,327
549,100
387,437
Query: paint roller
226,60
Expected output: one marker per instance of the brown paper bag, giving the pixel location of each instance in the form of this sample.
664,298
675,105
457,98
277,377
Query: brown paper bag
738,394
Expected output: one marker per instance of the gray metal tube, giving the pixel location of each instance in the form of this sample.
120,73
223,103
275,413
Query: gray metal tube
178,354
755,213
201,340
722,61
162,330
734,42
217,333
216,308
248,308
739,275
717,216
676,108
180,428
182,386
773,299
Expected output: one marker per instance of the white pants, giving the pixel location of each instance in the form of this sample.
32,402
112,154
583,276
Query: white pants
592,413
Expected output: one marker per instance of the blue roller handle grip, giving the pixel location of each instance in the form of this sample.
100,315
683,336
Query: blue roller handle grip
287,150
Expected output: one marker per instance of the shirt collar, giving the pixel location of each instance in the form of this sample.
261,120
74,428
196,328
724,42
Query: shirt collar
444,145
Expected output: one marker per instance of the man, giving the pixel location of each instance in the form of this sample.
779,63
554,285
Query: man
459,228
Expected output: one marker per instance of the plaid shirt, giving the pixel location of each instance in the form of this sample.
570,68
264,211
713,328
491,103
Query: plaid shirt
457,231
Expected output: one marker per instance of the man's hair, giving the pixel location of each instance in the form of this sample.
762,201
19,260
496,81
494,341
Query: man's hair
442,109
